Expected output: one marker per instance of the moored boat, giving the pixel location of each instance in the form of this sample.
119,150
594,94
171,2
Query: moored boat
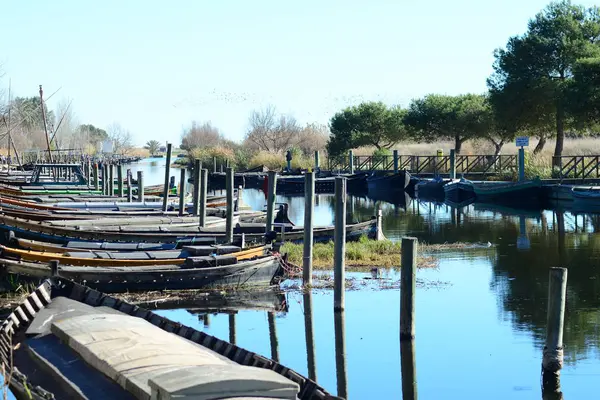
385,183
44,345
432,189
459,191
526,192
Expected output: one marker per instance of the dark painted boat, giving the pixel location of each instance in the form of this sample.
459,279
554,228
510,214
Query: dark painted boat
431,189
385,183
527,192
42,346
459,191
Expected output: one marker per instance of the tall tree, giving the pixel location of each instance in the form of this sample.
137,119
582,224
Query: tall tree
271,132
457,118
536,69
201,135
367,124
121,138
584,101
153,146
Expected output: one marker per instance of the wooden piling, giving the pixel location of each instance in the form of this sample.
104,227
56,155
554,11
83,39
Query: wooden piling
521,164
351,161
273,336
239,200
229,197
452,164
395,161
309,207
111,177
340,353
140,187
88,170
407,287
120,179
310,337
339,240
379,226
552,361
203,189
317,161
271,195
104,179
408,370
54,268
182,192
167,177
196,183
215,165
96,180
232,333
129,187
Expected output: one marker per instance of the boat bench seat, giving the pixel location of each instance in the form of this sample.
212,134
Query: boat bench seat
208,250
139,255
209,261
149,362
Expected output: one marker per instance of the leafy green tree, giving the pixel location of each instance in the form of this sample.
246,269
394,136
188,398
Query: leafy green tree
535,70
457,118
92,134
28,112
367,124
585,92
153,146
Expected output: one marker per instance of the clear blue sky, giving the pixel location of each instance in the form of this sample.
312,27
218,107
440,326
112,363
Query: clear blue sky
156,66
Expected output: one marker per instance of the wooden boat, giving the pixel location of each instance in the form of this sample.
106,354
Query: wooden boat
509,192
383,183
43,345
295,183
587,194
432,189
459,191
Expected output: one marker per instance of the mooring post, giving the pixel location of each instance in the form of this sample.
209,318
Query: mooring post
273,336
129,187
104,179
309,335
112,180
340,353
140,186
196,183
229,196
395,161
339,240
232,334
167,177
521,164
120,179
182,192
271,194
309,207
203,189
408,370
379,229
452,164
351,161
96,182
552,361
317,163
207,320
214,165
54,268
407,287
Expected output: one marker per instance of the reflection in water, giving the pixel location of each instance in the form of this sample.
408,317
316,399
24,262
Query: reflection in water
409,369
310,338
273,336
339,321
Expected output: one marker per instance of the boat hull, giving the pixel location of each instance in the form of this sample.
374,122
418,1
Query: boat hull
459,192
513,193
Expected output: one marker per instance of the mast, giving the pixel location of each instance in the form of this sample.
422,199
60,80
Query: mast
45,125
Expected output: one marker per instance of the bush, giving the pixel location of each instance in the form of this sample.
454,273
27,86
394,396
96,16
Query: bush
207,154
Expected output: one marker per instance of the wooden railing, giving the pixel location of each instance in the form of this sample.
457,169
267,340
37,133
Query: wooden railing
576,167
465,164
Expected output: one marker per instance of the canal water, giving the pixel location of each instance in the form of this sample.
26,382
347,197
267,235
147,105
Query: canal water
480,315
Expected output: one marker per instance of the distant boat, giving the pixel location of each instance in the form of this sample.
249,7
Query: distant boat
459,191
527,192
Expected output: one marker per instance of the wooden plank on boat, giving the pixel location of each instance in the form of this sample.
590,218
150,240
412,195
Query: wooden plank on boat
208,250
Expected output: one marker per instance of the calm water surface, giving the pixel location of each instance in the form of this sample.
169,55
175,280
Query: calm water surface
480,322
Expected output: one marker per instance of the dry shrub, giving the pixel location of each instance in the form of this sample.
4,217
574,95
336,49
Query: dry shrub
206,155
198,136
273,161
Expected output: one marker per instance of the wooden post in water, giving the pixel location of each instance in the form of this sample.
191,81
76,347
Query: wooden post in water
129,188
271,194
317,162
238,202
165,204
273,336
96,181
552,361
408,370
452,164
407,288
309,207
140,186
379,226
340,353
229,197
182,192
395,161
232,333
196,183
339,243
521,164
351,161
203,187
120,179
310,337
215,165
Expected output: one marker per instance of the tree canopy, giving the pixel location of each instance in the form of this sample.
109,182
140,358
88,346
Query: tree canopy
367,124
533,73
153,146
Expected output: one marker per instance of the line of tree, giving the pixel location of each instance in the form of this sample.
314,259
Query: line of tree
546,83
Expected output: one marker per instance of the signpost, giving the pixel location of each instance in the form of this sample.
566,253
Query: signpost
521,142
